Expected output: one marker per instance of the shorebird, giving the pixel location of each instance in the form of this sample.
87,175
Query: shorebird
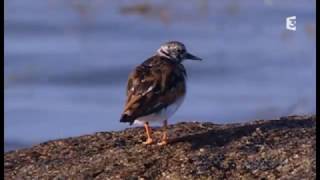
156,88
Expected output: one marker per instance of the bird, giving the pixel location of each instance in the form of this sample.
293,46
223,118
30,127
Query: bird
156,89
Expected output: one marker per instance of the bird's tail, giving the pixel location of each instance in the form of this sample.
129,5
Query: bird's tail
125,118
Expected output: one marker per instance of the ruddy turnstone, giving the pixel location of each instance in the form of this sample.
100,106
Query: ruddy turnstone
157,87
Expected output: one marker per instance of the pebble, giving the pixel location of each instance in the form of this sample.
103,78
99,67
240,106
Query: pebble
215,152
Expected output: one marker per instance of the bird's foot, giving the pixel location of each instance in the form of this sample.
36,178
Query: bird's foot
148,141
163,142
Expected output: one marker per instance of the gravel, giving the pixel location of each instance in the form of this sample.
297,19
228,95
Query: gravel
284,148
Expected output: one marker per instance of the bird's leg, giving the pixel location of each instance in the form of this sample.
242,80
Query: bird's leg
164,139
148,131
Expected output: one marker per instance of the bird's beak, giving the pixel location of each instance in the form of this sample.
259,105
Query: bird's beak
192,57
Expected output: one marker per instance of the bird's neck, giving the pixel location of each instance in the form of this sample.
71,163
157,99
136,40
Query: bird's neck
164,54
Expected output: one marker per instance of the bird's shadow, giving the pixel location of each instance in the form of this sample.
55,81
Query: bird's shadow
223,136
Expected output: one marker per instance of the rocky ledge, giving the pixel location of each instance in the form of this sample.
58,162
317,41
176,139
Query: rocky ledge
284,148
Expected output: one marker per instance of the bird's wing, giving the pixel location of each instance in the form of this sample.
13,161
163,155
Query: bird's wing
152,86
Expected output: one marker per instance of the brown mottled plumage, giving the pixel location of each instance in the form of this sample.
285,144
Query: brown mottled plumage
157,84
165,80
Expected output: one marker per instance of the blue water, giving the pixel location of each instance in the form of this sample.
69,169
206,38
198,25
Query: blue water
66,62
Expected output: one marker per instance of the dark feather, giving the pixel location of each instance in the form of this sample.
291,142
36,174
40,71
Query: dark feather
125,118
153,85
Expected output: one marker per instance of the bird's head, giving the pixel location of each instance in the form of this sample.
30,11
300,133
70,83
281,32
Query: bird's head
176,51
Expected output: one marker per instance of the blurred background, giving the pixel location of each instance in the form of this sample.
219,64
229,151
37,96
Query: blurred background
67,62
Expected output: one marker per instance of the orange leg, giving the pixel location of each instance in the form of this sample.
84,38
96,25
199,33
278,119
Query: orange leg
164,139
148,131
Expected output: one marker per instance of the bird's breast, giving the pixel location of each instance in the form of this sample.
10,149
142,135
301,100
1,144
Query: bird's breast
172,108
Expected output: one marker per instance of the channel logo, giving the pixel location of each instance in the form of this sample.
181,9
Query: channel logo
291,23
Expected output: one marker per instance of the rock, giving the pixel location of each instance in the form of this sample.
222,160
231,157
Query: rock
264,149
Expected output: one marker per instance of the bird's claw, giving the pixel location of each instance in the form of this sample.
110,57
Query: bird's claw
148,141
163,142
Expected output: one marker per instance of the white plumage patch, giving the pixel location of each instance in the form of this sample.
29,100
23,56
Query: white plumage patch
164,114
